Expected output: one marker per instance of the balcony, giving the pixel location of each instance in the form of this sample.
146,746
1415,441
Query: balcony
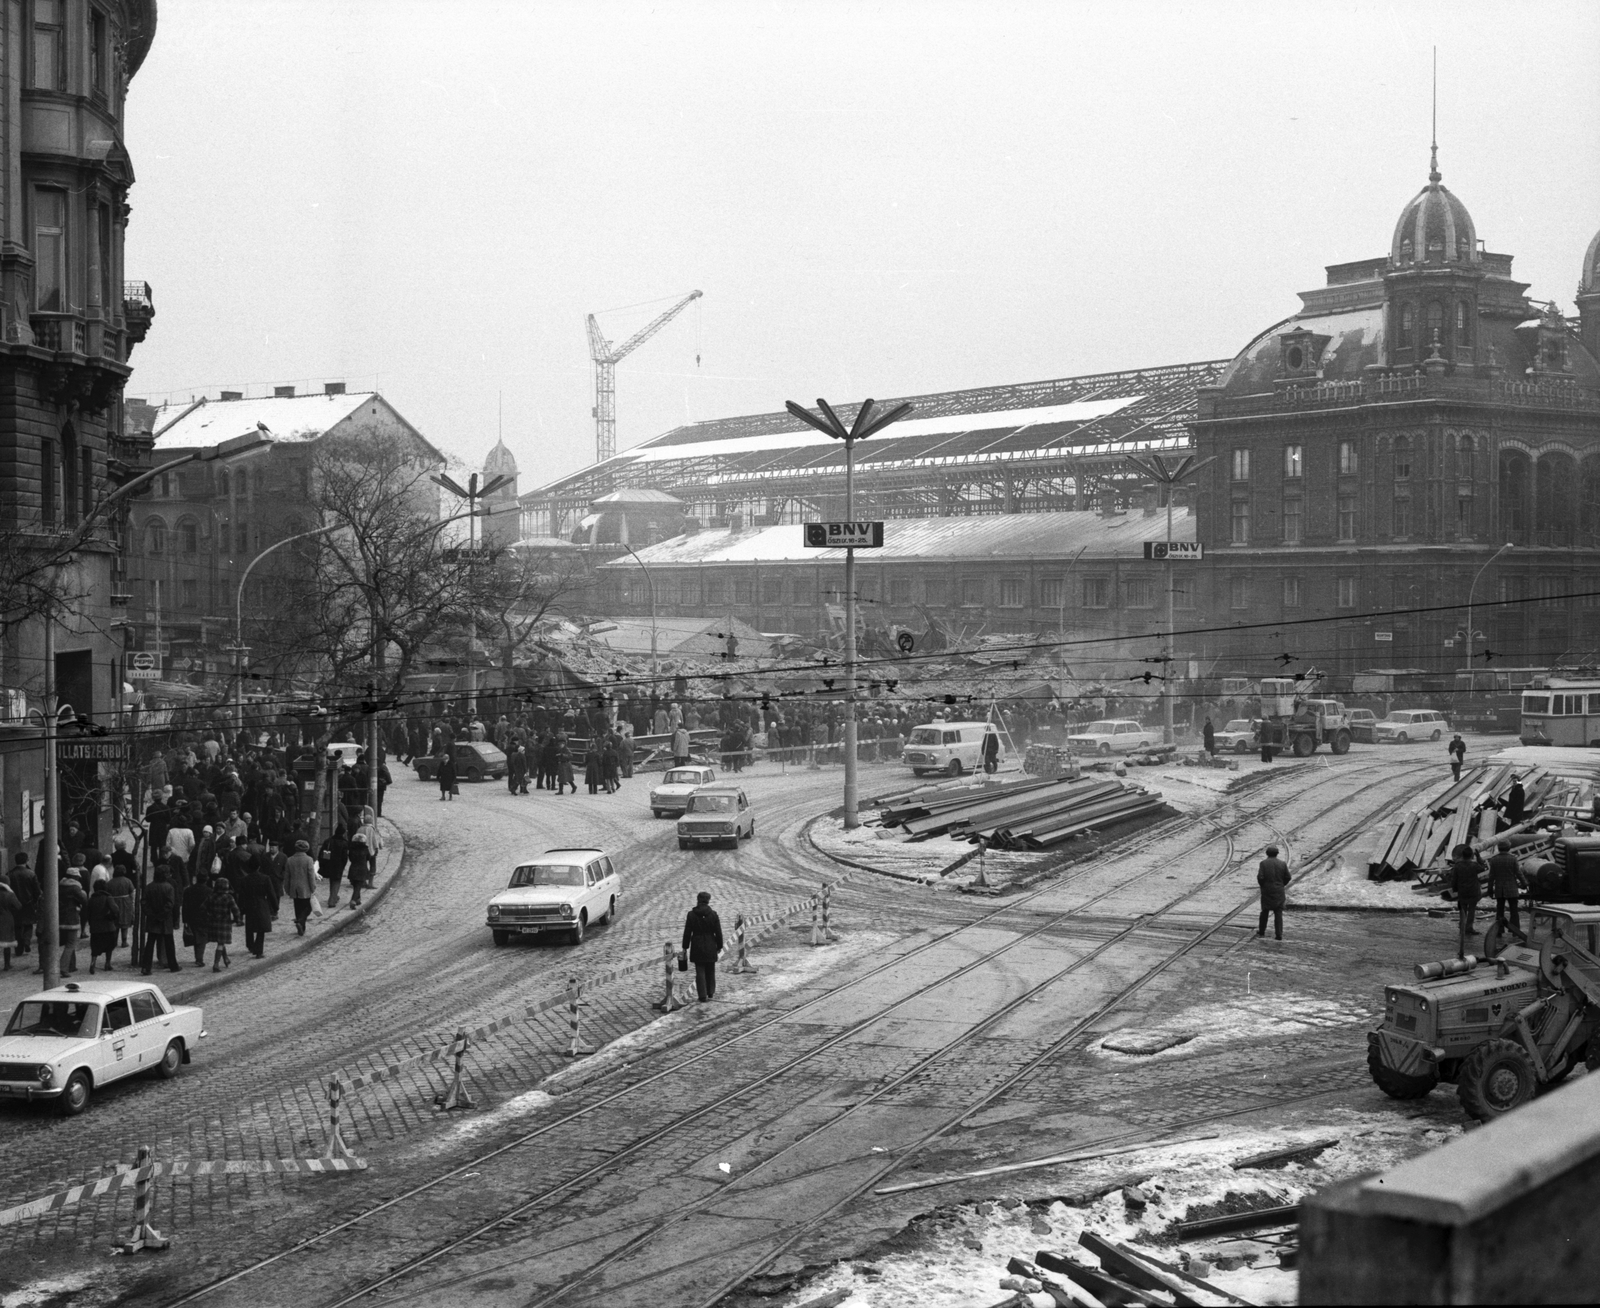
83,358
139,308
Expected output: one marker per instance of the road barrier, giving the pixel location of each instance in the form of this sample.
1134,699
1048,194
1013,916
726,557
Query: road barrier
828,934
335,1147
577,1049
741,962
456,1096
668,1003
141,1235
125,1176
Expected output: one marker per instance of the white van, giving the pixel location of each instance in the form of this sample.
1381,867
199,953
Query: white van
948,747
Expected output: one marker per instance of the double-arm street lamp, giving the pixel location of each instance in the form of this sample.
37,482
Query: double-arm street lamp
865,425
651,582
49,844
472,493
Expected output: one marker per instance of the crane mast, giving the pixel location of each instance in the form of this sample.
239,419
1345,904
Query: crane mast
606,357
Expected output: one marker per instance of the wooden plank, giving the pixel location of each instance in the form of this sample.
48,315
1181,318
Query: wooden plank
1233,1223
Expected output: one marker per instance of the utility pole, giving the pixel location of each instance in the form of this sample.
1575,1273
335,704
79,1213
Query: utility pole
864,425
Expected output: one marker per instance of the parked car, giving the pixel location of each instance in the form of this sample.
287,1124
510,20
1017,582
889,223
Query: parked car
64,1044
475,760
1114,736
345,751
670,796
948,747
1362,724
565,891
1403,725
717,815
1239,736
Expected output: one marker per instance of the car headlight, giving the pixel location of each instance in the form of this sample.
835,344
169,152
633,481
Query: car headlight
494,910
47,1074
566,910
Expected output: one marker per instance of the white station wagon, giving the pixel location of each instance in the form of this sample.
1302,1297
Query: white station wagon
563,890
1113,736
670,796
1403,725
64,1044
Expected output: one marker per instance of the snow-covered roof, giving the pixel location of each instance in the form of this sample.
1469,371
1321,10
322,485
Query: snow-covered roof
285,417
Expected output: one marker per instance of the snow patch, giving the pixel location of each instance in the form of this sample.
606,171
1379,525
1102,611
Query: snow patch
47,1290
1249,1017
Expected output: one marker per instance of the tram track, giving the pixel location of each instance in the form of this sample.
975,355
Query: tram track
1224,829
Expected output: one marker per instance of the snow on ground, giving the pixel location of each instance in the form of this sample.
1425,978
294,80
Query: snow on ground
955,1256
52,1290
1341,882
1251,1017
888,849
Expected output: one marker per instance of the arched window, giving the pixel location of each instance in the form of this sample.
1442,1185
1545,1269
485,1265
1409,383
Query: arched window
1463,324
188,536
222,482
1468,450
1435,323
1408,325
155,537
1407,249
1402,458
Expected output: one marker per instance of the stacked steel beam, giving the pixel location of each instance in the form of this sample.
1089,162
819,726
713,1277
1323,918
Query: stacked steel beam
1025,815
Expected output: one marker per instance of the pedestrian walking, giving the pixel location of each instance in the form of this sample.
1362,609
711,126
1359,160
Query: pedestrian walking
593,766
70,901
222,914
1505,881
332,859
1465,881
101,915
1457,749
680,745
991,751
1208,734
121,887
517,771
610,764
1516,802
10,907
1273,878
564,776
255,903
702,938
160,906
360,867
196,910
300,883
447,776
25,885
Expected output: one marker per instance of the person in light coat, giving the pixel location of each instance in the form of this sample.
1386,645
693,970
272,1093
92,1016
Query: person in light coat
300,883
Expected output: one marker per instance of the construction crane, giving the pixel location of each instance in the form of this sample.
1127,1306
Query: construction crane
606,357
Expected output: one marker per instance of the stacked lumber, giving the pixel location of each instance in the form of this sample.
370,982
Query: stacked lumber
1465,812
1025,815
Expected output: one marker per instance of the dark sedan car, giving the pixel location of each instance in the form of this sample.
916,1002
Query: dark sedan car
475,760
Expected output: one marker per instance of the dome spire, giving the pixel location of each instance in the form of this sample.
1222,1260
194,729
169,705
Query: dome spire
1433,159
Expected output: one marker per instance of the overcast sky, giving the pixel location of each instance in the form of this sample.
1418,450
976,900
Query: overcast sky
883,199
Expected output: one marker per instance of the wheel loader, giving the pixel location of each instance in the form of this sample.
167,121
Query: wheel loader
1504,1027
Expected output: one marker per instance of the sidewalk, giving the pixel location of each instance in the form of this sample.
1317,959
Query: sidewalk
282,943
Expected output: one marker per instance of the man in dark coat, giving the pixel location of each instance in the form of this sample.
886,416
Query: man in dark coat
1516,802
71,899
1464,880
1273,878
991,751
160,906
255,902
1505,881
702,937
1208,733
446,775
1457,749
331,861
25,885
196,901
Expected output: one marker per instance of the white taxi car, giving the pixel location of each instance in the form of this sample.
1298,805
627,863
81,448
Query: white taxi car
66,1043
1403,725
565,891
717,815
670,796
1113,736
1239,736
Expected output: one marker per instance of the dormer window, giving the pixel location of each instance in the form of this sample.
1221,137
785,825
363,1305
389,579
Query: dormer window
1436,248
1407,250
1463,250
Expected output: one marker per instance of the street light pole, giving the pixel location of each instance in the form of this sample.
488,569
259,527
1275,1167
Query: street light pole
865,425
1471,590
472,492
239,649
651,582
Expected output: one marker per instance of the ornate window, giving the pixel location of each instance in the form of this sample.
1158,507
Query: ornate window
1463,324
50,250
49,46
188,536
1402,458
1292,462
1347,459
155,537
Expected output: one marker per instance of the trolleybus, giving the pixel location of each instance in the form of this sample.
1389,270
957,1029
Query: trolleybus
1562,710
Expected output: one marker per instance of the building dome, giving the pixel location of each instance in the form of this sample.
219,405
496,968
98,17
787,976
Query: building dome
500,460
1434,228
1589,279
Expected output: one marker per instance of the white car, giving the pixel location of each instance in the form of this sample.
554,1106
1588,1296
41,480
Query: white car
1238,735
563,890
670,796
1403,725
1113,736
66,1043
717,815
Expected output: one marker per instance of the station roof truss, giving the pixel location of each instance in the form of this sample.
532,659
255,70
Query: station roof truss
1030,447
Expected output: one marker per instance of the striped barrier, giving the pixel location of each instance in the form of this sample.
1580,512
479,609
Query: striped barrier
828,933
741,962
577,1049
335,1146
668,1003
126,1176
141,1235
456,1096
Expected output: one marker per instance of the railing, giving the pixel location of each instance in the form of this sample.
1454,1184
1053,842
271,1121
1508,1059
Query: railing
138,293
1544,392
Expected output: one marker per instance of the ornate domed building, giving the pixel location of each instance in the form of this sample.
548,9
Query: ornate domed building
1374,451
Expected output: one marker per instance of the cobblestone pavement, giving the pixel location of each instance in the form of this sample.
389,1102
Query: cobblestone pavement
423,964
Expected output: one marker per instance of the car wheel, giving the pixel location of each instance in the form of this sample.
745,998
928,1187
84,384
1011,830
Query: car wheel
655,812
954,769
1105,746
1241,747
75,1096
1341,743
1400,738
1436,735
474,774
1496,1077
611,910
1303,745
576,935
683,844
171,1060
502,937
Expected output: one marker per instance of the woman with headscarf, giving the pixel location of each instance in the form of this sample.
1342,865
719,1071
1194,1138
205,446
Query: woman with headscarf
101,916
447,775
360,865
196,908
222,913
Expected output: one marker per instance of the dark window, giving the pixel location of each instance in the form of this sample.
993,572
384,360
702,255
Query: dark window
1402,458
49,64
191,593
1347,592
935,591
1139,593
155,535
1463,324
1292,521
1435,323
1291,592
188,537
1347,517
1464,514
1096,592
716,590
145,1007
1402,516
1239,592
116,1015
47,482
1408,323
50,250
741,590
97,53
1013,593
1466,461
972,590
69,477
1241,522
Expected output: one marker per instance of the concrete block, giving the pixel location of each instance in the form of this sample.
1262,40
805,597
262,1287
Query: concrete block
1502,1215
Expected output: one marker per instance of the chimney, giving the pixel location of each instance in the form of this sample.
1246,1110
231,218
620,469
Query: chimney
283,392
735,523
333,388
690,526
233,395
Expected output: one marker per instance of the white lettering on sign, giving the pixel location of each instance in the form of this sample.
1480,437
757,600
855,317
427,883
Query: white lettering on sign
1176,550
843,535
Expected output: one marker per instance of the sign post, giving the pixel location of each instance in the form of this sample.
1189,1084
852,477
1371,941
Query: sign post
865,425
